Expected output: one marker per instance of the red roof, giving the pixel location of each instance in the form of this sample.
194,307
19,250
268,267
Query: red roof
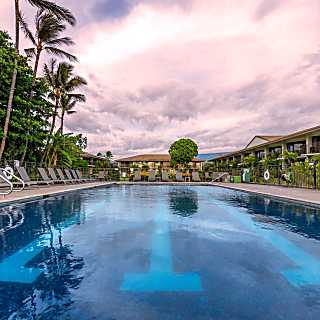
152,158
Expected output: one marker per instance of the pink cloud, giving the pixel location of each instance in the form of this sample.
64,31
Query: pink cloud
217,71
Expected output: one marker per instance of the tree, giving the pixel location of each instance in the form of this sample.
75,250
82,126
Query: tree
68,102
46,38
290,156
61,81
60,12
107,155
66,150
250,161
38,105
182,152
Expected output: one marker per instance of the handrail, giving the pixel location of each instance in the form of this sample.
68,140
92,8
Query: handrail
8,181
22,183
12,222
4,178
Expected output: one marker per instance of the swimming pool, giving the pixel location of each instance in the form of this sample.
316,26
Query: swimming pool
159,252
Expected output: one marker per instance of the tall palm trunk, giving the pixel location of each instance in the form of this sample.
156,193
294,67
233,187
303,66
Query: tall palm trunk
35,72
53,124
13,83
34,78
62,121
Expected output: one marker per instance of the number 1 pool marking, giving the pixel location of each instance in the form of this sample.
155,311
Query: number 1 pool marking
161,276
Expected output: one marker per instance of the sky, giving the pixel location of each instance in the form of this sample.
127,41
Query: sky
216,71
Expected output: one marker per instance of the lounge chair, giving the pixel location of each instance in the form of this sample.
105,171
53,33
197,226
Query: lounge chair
61,175
25,177
69,176
101,175
207,176
179,177
54,177
165,176
45,177
137,176
152,175
75,176
79,174
195,176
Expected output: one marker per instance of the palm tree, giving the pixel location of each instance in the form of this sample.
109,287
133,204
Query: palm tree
67,103
61,13
46,38
61,81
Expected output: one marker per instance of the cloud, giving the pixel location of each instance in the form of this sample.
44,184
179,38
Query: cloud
111,8
266,7
214,70
117,9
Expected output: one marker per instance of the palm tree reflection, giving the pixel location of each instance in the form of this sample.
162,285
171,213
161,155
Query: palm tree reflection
50,296
183,202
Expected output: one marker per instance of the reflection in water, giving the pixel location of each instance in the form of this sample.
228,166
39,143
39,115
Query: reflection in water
50,296
10,219
183,202
301,219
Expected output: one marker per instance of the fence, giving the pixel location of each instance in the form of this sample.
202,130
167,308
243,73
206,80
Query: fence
111,173
302,175
299,174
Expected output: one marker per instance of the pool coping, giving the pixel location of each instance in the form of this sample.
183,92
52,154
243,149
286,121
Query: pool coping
270,195
47,193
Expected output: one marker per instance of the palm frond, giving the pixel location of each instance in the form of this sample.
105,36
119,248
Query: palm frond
60,41
49,72
78,97
75,83
58,11
30,52
25,28
61,53
48,27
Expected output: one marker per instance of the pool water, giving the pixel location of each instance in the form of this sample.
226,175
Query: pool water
159,252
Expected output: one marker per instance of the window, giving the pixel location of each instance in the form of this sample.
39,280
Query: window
315,145
260,154
298,147
275,151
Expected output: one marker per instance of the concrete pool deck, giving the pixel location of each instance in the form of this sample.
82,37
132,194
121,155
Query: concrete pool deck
38,192
287,193
307,196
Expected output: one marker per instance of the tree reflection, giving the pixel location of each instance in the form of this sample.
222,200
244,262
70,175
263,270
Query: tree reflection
50,296
183,202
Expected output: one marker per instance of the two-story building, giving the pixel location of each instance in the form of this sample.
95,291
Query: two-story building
153,161
306,143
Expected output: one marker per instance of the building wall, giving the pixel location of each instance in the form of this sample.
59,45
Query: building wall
256,141
310,144
155,164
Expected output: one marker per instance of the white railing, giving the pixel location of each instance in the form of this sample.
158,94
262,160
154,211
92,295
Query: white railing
6,174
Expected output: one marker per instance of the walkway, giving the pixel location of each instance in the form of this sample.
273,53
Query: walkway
35,192
295,194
